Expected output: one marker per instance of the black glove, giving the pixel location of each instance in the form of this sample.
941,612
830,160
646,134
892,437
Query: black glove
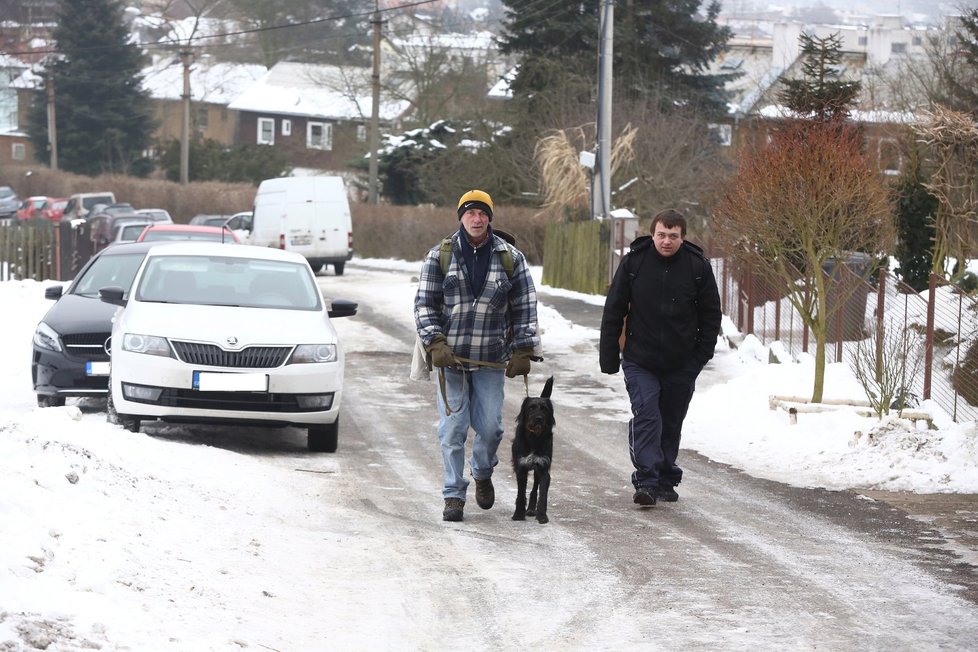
519,364
441,353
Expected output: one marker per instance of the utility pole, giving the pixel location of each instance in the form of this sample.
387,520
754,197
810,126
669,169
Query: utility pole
601,195
186,58
52,123
375,110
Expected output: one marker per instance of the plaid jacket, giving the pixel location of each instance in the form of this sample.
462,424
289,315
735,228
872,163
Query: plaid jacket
488,327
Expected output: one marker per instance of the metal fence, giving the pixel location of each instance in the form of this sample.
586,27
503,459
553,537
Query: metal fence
944,318
41,249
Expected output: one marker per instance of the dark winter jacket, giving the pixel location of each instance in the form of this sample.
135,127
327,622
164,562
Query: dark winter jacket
672,305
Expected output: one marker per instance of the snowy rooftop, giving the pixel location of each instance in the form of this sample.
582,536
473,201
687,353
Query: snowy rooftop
316,90
218,83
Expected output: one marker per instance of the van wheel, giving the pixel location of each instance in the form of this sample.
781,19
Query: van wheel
323,438
338,267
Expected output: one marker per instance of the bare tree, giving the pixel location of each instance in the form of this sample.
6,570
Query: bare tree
886,364
951,139
800,206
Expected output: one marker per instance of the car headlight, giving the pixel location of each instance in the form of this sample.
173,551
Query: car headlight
148,344
46,337
314,353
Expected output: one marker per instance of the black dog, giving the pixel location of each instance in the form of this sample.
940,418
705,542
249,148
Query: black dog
533,447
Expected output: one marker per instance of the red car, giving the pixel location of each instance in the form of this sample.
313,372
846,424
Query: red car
161,232
31,207
41,207
54,208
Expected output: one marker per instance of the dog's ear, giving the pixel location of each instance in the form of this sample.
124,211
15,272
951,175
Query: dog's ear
547,388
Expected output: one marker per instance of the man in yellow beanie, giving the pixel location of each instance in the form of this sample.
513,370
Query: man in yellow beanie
478,321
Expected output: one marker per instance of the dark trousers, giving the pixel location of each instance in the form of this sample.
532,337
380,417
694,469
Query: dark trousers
659,404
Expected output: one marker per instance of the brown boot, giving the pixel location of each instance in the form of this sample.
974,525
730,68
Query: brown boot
453,509
485,494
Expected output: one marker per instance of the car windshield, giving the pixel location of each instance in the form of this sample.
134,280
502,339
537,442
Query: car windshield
105,271
130,232
6,191
229,281
89,202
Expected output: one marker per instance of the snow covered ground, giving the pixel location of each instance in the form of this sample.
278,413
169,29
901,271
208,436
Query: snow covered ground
91,515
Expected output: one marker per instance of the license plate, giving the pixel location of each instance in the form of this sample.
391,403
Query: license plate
97,368
207,381
300,240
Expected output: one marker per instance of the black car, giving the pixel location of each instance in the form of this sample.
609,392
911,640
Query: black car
71,341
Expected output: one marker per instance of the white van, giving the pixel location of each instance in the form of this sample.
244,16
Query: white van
307,215
81,203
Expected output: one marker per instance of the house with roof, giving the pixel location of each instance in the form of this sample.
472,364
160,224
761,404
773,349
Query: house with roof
765,52
319,115
213,86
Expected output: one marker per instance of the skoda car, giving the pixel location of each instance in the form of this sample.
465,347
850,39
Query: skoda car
70,356
211,333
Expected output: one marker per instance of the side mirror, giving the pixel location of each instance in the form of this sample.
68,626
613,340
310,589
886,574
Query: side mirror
112,294
342,308
53,292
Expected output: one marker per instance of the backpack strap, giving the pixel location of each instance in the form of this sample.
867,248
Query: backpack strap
445,255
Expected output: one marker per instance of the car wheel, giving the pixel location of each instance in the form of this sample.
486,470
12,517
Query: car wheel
50,401
338,268
323,439
127,421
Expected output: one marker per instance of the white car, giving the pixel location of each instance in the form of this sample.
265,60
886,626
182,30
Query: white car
211,333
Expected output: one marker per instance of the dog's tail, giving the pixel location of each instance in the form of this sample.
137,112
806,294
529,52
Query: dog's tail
547,388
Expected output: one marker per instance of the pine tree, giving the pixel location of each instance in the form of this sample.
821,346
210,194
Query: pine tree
916,209
661,49
104,116
819,94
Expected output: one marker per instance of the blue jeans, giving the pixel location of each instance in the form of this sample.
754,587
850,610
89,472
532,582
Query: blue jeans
476,401
659,403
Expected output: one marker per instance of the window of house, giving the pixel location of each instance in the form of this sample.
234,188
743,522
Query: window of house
916,40
361,133
18,151
862,40
266,131
286,127
319,135
203,117
890,159
722,134
898,48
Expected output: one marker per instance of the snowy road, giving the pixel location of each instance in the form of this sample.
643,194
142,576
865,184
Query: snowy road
737,562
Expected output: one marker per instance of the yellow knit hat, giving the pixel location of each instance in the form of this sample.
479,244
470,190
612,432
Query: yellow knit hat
475,199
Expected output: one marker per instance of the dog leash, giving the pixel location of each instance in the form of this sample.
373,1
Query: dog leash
442,385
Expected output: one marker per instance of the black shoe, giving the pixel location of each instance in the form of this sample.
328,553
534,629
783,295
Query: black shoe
666,494
453,509
644,496
485,495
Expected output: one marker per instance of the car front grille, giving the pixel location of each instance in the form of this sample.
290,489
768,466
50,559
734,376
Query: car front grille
90,346
252,357
237,401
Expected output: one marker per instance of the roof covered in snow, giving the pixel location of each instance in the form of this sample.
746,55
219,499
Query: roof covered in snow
330,92
217,83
